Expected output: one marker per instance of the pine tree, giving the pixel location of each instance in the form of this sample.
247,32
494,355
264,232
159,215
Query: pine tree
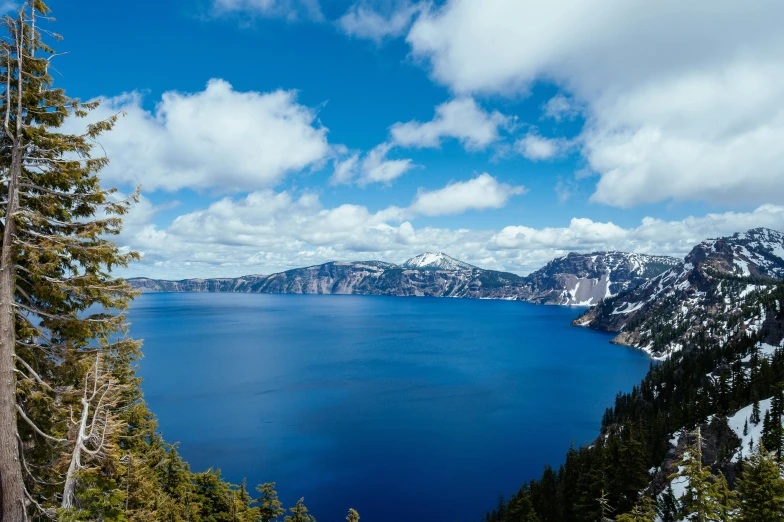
699,502
746,428
761,489
352,516
631,467
643,511
269,505
299,513
242,500
768,434
725,500
605,510
755,411
668,506
55,263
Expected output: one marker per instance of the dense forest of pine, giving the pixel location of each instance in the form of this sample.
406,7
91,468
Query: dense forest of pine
625,474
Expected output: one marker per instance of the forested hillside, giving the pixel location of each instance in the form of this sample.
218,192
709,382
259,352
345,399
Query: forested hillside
699,439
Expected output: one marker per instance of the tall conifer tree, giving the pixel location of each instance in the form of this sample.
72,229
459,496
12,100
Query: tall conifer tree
55,264
269,505
761,489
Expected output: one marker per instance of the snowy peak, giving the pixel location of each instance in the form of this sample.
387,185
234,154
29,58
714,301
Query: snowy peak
756,253
436,261
717,289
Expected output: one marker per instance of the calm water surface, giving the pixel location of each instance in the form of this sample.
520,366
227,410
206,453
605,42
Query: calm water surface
407,409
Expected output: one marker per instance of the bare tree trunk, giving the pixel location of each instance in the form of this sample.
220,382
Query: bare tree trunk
10,465
11,482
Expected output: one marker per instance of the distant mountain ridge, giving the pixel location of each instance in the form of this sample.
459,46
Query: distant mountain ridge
720,287
575,279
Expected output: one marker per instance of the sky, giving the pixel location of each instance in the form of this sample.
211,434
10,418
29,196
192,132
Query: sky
273,134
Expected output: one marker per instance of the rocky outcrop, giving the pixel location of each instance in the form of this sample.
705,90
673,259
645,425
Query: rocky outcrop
716,291
586,279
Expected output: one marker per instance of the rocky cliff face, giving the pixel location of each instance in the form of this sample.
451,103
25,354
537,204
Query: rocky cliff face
717,291
586,279
581,279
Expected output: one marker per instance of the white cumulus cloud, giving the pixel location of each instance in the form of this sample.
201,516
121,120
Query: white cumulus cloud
217,138
480,193
374,167
461,118
268,231
536,148
682,100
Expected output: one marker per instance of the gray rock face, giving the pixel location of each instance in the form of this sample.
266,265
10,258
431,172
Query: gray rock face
715,290
586,279
582,279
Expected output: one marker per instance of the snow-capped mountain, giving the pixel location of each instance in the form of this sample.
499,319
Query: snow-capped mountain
710,293
436,261
586,279
582,279
758,252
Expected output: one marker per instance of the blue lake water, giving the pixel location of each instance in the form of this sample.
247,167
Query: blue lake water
418,409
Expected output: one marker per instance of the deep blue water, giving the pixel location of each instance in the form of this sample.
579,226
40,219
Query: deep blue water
417,409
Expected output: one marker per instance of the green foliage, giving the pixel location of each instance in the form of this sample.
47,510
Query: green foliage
707,378
668,506
67,334
269,505
761,489
700,501
643,511
299,513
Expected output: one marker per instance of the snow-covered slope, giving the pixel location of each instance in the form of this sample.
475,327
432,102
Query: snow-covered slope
586,279
436,261
709,293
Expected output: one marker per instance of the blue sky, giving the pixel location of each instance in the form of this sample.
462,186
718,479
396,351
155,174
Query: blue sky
502,132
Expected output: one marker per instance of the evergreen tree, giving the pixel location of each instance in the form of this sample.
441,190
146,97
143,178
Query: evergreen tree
725,500
605,510
755,411
768,438
55,264
699,503
761,489
242,505
643,511
746,427
77,441
299,513
269,505
630,468
668,506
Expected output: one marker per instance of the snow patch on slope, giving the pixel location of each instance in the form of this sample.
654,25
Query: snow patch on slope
437,261
739,420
